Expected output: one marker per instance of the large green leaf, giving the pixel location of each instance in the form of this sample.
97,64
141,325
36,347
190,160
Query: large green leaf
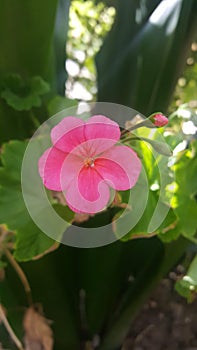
32,43
150,190
145,51
30,240
26,35
184,201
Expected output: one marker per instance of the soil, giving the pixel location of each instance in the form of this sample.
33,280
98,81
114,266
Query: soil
166,322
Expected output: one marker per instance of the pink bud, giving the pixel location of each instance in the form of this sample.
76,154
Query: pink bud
159,119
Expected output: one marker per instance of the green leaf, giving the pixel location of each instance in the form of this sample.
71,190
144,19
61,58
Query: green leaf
171,232
187,286
22,95
160,147
27,44
58,103
144,53
26,40
30,240
141,229
184,201
158,215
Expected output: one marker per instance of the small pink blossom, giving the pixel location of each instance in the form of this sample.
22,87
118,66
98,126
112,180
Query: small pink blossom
159,119
84,162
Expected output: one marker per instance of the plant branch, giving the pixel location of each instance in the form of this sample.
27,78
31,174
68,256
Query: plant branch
21,276
9,329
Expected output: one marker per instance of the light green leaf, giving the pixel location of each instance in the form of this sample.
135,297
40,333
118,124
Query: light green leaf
160,147
184,201
187,286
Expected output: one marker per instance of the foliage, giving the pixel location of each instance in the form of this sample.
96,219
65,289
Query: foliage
13,212
130,57
21,95
187,285
185,91
93,295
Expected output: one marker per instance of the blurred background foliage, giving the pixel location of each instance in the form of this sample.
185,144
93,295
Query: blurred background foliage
139,53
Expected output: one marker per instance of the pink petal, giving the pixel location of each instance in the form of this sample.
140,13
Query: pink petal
67,134
49,166
57,168
88,183
70,169
120,166
103,133
87,193
100,126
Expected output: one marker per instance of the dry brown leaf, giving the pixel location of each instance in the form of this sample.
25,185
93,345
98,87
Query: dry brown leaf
80,218
38,334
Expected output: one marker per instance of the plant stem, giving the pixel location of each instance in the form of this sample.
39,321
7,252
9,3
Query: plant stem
21,276
147,123
132,138
9,329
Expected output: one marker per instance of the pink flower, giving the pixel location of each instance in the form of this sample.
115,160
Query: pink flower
85,162
159,119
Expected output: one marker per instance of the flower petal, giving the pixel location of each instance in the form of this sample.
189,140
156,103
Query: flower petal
68,134
120,166
49,165
102,133
57,168
87,193
71,167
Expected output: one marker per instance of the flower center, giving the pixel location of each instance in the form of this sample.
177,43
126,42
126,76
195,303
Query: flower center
89,162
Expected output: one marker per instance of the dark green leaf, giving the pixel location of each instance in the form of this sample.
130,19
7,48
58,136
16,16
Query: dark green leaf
24,95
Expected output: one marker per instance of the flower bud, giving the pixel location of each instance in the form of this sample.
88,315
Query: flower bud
158,119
